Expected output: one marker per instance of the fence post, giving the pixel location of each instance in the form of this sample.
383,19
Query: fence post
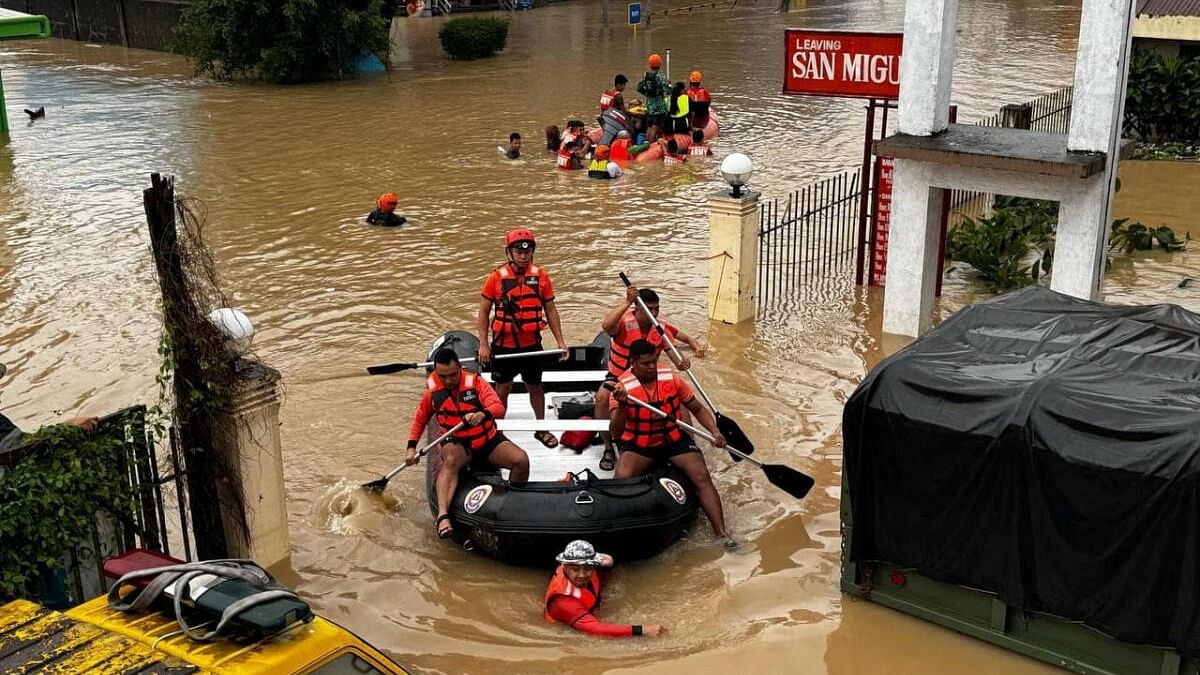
733,256
248,430
1016,116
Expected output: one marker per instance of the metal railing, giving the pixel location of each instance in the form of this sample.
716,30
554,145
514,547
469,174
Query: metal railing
810,235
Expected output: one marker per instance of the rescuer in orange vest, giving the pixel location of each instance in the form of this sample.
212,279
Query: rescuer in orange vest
646,438
453,395
574,593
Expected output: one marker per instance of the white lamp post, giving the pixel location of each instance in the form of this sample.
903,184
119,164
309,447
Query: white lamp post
736,169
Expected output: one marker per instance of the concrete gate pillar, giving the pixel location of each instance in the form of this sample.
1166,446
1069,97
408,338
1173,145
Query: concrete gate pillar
733,256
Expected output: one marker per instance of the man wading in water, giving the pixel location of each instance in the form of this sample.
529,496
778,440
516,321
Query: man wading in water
523,299
574,593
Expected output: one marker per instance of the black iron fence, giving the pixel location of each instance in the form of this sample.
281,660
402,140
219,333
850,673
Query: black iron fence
811,234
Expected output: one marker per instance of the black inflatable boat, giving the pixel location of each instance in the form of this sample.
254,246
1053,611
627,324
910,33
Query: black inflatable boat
567,496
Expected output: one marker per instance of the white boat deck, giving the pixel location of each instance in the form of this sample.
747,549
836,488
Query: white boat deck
552,464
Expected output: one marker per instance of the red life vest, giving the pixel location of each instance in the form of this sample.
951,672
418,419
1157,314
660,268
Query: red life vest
560,585
620,152
450,409
519,307
645,429
565,153
699,101
699,151
606,99
618,351
670,159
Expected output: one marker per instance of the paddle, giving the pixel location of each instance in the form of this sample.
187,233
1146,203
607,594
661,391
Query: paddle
389,368
379,485
786,478
729,428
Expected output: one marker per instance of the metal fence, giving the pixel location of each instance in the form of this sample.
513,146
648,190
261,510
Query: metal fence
812,234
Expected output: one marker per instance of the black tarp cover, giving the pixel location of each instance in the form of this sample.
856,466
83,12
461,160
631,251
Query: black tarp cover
1046,449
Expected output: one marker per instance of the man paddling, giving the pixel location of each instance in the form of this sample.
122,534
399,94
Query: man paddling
453,395
646,438
574,593
624,324
518,301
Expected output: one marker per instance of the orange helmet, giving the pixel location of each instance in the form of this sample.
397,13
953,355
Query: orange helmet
519,235
387,200
697,76
655,61
601,152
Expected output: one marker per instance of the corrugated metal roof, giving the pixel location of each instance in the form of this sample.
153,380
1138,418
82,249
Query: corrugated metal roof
1168,8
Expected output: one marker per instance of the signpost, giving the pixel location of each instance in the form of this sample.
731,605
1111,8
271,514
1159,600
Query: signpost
837,63
635,15
883,218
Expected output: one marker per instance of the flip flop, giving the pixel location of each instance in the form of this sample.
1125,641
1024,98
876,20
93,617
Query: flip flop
546,438
608,461
444,532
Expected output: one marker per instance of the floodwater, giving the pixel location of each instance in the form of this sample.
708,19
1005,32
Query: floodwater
285,176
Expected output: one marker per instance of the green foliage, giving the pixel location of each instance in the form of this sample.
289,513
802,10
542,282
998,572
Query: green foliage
1160,102
1138,237
283,41
1010,248
474,37
49,500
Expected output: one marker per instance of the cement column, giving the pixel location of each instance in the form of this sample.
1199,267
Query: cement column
1097,109
912,267
927,66
249,440
733,251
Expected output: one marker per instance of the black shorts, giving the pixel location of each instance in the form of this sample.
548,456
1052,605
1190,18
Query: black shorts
478,458
680,447
529,368
662,121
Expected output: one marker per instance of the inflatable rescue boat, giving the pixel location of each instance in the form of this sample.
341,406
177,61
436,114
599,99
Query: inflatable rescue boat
567,496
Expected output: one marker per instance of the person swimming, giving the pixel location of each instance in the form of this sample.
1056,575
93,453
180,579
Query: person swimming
385,211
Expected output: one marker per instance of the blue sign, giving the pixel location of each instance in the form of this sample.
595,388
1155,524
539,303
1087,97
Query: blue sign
635,13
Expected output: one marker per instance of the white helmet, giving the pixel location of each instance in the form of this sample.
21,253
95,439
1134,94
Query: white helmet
579,552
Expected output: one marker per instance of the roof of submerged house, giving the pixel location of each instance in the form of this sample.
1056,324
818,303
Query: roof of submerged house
1168,8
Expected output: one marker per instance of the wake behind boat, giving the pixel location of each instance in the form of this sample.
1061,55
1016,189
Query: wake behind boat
567,496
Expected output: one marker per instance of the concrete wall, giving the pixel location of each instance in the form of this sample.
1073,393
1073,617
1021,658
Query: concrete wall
147,24
1179,28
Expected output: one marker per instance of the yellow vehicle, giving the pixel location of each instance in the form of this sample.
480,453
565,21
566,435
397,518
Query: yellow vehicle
93,638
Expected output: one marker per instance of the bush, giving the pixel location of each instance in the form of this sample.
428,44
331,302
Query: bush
474,37
1160,103
1000,247
281,40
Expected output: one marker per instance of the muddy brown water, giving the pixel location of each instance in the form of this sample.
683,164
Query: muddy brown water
286,175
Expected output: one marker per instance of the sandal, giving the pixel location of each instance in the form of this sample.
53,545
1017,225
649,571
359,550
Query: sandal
447,531
546,438
608,461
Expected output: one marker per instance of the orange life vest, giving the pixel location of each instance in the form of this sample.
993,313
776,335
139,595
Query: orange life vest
618,351
560,585
699,151
606,99
450,411
566,153
620,152
645,429
519,308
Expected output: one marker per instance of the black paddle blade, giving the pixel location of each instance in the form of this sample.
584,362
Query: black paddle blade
734,436
376,485
788,479
389,368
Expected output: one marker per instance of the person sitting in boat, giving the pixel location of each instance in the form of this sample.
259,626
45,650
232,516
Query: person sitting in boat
385,211
698,148
614,121
645,438
574,594
636,110
673,153
514,146
607,98
699,100
601,166
518,301
626,323
453,395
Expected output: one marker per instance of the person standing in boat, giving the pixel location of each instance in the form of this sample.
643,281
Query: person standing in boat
453,395
700,100
645,438
574,594
624,324
657,89
518,302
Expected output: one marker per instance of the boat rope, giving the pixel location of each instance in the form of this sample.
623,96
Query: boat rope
178,579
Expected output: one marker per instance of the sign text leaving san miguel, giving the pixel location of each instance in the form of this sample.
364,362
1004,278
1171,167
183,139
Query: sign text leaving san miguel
836,63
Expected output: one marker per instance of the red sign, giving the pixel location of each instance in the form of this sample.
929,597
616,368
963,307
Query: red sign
837,63
883,218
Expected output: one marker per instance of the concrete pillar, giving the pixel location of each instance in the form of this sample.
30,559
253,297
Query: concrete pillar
927,66
913,240
733,256
1081,238
248,439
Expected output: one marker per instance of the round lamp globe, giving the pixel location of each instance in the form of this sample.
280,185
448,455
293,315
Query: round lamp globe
235,325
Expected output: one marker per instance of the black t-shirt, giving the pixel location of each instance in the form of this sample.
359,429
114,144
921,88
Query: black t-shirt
387,218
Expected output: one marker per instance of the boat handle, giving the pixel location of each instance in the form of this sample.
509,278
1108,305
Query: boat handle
584,497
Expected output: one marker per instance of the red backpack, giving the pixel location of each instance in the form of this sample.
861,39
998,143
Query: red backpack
578,440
